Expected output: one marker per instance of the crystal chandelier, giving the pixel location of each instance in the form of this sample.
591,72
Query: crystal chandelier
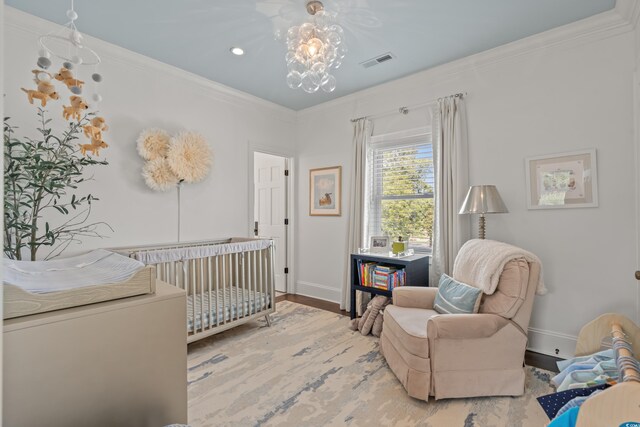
314,48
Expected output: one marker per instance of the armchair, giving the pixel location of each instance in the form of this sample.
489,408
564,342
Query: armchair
462,355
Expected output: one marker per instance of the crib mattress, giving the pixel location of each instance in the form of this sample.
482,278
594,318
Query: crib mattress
20,302
248,302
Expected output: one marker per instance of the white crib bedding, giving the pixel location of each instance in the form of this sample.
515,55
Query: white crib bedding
248,301
198,251
97,267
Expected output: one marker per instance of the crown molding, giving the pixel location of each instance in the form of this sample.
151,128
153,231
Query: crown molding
30,25
629,10
598,27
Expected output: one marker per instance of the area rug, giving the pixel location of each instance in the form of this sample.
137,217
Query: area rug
310,369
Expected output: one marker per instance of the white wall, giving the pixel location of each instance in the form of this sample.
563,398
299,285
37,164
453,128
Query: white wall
637,123
562,91
139,93
1,192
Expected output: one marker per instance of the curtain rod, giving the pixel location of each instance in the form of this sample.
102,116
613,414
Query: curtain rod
405,110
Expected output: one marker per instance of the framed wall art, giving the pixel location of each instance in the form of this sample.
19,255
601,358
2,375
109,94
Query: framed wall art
565,180
325,191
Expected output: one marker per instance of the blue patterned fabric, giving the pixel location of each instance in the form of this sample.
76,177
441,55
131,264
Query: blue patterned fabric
454,297
237,303
552,403
576,402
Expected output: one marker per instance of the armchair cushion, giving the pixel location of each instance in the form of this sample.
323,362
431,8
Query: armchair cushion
455,297
414,296
409,327
510,292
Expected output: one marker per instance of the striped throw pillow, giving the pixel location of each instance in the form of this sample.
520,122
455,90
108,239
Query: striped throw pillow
454,297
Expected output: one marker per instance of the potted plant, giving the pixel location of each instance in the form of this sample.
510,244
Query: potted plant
42,175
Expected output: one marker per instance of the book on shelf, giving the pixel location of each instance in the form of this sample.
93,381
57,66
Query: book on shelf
374,275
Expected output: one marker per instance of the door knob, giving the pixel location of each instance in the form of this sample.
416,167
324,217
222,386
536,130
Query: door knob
637,275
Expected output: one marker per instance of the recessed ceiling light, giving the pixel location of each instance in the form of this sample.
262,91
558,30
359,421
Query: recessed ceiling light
237,51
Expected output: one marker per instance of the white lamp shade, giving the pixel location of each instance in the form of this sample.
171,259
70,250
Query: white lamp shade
483,199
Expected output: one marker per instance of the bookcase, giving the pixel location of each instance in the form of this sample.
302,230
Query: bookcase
416,269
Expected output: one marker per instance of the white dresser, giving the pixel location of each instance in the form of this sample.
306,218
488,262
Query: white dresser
117,363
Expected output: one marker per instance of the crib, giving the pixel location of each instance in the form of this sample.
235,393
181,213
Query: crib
228,282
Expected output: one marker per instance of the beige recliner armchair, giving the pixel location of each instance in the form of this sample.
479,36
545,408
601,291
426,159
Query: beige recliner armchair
462,355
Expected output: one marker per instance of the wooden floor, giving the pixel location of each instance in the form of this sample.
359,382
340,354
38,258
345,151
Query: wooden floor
531,358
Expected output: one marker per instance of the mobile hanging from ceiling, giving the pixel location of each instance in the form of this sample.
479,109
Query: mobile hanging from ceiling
314,49
67,45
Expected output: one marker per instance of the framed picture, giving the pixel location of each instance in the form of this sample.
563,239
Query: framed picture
379,244
565,180
325,191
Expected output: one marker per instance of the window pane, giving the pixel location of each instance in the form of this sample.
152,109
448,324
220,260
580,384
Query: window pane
405,171
409,218
400,190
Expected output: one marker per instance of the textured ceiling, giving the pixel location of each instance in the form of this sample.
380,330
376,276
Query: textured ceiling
196,35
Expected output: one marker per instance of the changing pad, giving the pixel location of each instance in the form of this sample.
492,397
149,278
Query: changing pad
94,268
32,287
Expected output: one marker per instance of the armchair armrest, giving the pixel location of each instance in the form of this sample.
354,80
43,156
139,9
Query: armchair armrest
414,296
465,326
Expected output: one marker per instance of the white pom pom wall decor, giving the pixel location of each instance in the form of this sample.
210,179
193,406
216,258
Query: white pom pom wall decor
153,144
189,156
158,175
185,157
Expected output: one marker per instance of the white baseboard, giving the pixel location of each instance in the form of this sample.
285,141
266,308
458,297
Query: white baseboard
551,343
316,290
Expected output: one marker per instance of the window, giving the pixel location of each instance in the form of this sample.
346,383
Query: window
400,188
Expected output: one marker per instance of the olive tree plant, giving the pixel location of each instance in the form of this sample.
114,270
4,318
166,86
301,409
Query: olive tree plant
43,175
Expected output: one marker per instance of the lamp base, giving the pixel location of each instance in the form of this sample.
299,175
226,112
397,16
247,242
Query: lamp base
481,227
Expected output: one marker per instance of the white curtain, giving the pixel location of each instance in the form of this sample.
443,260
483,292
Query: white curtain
357,203
451,176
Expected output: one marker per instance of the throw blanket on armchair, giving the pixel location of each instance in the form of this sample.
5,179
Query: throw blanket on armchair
480,262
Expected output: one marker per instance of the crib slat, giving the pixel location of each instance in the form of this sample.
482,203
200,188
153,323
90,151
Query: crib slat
200,280
236,283
259,272
267,275
272,276
209,282
217,278
190,294
245,300
254,277
224,288
252,295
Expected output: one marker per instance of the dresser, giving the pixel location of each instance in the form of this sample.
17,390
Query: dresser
117,363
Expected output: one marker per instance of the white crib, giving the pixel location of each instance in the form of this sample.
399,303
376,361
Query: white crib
228,282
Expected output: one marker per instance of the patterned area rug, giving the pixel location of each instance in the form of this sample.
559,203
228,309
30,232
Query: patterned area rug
309,369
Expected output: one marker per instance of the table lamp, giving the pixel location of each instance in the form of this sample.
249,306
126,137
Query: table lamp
483,199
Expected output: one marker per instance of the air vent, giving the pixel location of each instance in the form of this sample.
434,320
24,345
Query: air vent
377,60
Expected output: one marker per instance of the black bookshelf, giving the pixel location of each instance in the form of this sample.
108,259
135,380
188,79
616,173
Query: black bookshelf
416,268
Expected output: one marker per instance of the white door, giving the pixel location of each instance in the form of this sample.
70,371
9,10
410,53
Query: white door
270,208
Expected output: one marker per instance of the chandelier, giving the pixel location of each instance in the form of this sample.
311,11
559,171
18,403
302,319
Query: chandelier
315,48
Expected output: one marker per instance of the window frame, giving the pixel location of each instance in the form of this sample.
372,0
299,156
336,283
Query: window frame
373,193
